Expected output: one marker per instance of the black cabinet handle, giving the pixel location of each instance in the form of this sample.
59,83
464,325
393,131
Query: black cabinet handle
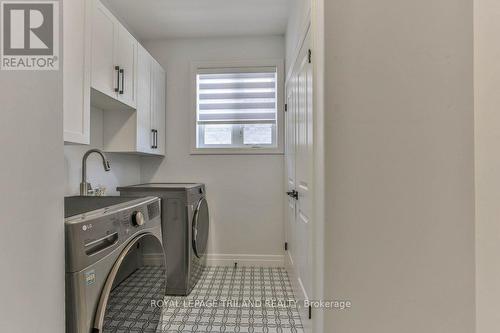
153,139
156,139
122,72
117,69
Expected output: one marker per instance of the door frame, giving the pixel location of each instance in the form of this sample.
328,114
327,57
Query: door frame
318,59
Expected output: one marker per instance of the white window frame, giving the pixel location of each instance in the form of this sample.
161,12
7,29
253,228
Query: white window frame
200,65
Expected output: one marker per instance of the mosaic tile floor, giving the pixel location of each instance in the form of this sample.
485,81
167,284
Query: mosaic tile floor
243,300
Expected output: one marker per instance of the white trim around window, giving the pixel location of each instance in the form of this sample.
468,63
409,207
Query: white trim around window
234,67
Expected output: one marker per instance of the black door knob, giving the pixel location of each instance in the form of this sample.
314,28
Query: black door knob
294,194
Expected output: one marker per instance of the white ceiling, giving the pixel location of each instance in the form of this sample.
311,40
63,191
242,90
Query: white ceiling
153,19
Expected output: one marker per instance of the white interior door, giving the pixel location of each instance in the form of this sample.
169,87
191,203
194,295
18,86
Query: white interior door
299,157
290,147
304,171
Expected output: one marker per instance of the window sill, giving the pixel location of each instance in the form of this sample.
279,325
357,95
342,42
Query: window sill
236,151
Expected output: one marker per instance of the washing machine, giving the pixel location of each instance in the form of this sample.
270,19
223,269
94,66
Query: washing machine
185,222
115,264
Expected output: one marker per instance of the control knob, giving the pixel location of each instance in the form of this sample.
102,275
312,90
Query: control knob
138,219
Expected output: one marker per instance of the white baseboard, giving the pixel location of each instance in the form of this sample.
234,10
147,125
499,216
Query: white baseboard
246,260
228,260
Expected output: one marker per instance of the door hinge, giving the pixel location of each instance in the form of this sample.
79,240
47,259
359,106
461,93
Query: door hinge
309,56
286,107
310,312
286,246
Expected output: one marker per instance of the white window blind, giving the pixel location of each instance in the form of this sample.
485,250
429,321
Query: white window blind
237,107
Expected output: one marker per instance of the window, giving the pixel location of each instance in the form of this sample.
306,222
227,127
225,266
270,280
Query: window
237,109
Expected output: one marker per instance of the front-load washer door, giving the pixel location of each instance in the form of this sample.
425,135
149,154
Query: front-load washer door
134,290
200,228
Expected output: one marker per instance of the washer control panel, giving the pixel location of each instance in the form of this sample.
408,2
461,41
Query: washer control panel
89,238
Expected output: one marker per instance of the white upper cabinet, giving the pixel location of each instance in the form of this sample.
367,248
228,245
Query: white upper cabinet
145,135
114,60
104,34
76,71
141,131
105,66
158,107
150,105
127,62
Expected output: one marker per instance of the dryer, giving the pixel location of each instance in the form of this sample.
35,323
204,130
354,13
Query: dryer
115,264
185,223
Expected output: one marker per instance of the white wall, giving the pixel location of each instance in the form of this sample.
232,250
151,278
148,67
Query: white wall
400,165
487,103
32,236
245,192
125,169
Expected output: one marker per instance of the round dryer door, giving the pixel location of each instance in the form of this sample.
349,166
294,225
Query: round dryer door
200,228
136,282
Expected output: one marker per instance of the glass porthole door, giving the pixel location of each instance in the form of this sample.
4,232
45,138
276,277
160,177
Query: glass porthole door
135,284
200,228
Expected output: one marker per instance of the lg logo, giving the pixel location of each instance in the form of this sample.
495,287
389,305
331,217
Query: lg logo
86,227
30,31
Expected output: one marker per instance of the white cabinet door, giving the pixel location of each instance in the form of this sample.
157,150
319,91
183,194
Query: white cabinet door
159,109
144,101
76,71
126,51
104,37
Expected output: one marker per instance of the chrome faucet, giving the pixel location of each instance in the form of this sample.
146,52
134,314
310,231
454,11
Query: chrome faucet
85,187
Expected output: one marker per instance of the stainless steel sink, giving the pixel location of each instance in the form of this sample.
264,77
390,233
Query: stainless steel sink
82,204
